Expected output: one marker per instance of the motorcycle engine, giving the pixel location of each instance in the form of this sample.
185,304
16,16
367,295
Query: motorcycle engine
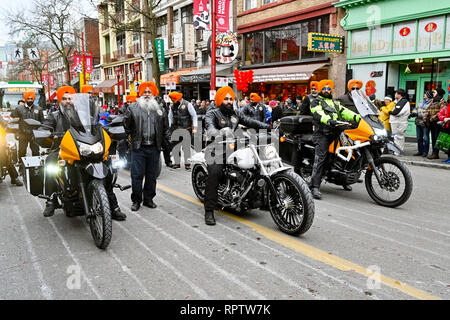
231,192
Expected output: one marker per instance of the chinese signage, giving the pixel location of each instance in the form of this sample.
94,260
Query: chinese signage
424,35
201,14
160,53
322,42
222,15
227,47
46,78
77,65
189,42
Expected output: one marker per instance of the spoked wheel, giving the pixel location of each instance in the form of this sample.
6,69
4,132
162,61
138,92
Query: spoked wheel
295,215
305,171
396,182
100,222
199,177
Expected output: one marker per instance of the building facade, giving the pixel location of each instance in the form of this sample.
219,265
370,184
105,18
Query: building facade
274,44
398,44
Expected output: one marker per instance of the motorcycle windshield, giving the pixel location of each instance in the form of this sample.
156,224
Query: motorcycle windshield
81,112
364,106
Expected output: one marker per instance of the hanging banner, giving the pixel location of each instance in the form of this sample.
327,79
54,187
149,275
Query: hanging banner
76,63
160,53
88,68
222,15
189,42
201,14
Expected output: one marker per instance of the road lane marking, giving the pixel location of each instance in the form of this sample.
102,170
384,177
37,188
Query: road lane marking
312,268
75,259
201,293
45,289
311,251
217,268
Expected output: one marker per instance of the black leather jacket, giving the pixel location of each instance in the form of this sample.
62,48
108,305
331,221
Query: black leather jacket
257,112
133,126
22,112
216,120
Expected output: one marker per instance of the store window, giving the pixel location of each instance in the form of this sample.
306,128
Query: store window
161,27
283,44
187,14
250,4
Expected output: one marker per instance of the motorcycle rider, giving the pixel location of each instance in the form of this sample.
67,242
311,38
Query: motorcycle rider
4,159
27,111
346,99
255,109
58,121
326,111
182,115
306,103
224,116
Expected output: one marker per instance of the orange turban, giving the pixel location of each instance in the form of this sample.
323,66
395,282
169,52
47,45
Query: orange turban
221,93
86,88
28,94
314,84
131,98
175,96
151,85
354,82
63,90
255,97
323,83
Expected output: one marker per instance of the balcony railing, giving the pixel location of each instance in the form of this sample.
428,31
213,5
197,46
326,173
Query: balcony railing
106,58
135,49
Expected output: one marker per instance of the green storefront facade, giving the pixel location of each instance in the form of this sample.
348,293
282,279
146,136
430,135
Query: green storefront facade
395,44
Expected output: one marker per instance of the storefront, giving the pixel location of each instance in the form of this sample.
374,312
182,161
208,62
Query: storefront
398,44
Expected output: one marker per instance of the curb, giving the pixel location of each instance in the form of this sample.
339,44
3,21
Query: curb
426,164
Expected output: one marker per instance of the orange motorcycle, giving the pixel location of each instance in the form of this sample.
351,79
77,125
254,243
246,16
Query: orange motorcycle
359,148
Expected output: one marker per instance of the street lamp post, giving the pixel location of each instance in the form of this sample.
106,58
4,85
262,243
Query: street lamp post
117,69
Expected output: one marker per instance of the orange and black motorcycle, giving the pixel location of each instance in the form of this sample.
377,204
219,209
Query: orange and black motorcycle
358,148
81,169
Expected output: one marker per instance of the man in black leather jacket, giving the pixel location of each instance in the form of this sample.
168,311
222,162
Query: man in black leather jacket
58,122
27,111
147,124
255,109
216,119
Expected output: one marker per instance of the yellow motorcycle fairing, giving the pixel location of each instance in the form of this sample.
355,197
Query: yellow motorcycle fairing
107,144
68,149
362,133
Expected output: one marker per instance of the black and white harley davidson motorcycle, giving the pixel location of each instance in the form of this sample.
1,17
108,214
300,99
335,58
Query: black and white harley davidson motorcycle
255,177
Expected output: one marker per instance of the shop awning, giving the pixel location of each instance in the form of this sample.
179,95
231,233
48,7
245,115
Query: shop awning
203,75
174,76
288,73
106,86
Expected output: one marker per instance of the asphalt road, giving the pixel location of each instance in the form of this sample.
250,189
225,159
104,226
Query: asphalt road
355,249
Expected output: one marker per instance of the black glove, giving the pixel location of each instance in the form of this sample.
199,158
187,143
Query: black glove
331,123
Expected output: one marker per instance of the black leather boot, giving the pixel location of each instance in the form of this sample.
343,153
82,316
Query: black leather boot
209,218
118,215
49,208
316,193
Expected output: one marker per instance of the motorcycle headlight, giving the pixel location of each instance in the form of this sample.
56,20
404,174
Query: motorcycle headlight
270,152
52,169
118,163
381,133
87,149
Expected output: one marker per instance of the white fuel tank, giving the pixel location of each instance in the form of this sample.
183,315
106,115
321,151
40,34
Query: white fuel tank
243,158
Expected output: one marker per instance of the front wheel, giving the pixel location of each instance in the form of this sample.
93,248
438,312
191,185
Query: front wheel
295,214
396,182
199,178
100,221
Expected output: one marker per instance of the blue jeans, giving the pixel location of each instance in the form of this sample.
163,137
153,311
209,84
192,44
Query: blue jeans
423,139
144,163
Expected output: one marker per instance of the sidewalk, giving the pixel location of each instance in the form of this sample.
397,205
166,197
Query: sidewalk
408,158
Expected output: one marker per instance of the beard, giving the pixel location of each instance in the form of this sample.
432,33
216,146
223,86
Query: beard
326,94
29,103
148,104
314,94
227,108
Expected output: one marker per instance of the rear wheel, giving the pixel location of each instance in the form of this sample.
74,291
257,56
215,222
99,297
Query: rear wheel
100,221
396,182
199,177
295,215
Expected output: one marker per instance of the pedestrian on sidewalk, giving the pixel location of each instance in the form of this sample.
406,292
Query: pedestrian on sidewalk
444,121
422,131
384,112
399,118
431,119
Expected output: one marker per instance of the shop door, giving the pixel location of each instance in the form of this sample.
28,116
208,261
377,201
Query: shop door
411,91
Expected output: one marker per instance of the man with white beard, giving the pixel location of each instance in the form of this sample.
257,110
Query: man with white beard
147,124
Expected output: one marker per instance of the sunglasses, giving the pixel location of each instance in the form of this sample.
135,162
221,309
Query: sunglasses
326,89
355,89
